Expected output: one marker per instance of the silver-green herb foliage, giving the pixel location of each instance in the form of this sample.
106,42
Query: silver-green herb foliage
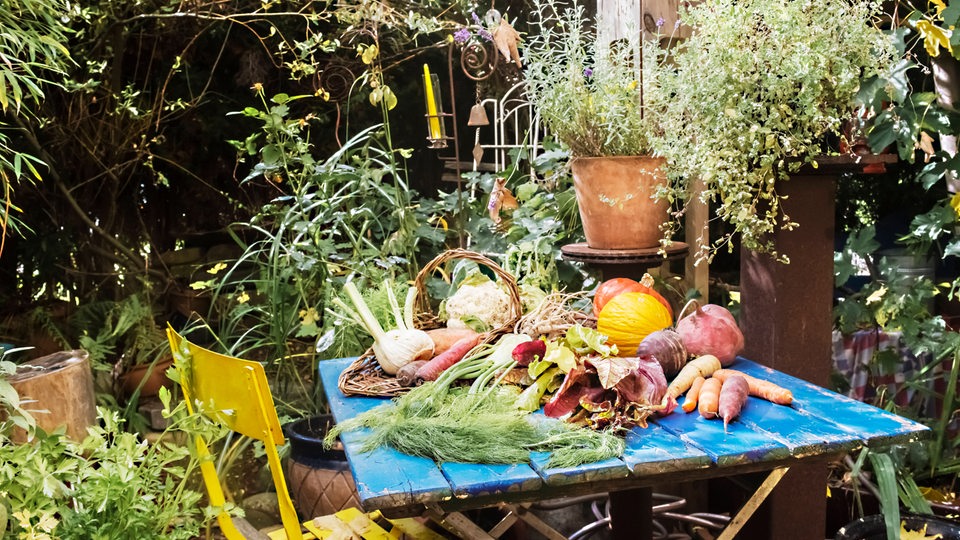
756,89
591,95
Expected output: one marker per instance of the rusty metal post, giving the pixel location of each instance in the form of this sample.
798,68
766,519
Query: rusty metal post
786,317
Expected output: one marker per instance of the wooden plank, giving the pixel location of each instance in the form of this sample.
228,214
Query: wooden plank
385,478
608,469
654,450
874,426
341,406
739,444
478,479
697,233
801,432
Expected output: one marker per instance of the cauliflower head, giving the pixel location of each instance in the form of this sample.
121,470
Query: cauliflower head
480,305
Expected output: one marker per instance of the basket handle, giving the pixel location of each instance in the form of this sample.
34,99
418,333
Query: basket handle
422,302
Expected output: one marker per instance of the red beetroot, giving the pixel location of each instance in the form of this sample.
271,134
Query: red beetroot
711,329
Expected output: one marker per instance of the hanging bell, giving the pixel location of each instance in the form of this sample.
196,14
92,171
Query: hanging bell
478,116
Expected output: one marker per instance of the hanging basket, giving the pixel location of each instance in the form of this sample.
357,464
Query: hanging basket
365,377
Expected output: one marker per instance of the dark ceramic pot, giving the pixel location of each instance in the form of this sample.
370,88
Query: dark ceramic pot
873,527
320,480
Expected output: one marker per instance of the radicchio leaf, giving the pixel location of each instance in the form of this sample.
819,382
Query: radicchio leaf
611,370
576,384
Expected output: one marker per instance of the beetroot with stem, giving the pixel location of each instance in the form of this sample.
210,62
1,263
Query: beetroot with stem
711,329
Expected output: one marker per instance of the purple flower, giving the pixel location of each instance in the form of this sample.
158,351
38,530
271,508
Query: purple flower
462,35
588,72
660,22
485,34
676,24
475,17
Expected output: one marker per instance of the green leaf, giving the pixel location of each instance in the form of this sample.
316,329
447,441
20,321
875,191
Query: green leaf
271,155
585,340
864,241
389,98
952,249
886,479
872,93
899,80
882,133
951,15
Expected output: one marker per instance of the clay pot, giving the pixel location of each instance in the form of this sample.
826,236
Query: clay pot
153,376
613,196
188,302
59,388
320,480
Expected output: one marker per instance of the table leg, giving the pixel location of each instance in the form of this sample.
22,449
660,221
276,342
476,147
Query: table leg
631,514
752,504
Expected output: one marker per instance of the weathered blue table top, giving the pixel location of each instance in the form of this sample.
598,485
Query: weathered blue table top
677,447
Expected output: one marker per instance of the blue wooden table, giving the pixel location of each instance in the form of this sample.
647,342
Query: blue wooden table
677,448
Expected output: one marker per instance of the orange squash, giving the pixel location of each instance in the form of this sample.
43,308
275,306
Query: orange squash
611,288
629,317
616,286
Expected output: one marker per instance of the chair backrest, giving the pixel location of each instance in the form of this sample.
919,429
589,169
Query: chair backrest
235,393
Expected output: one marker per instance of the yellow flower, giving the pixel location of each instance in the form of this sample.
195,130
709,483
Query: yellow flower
217,268
243,298
632,85
309,316
940,6
955,203
934,37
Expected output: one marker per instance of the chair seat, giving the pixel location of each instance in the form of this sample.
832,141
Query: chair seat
352,523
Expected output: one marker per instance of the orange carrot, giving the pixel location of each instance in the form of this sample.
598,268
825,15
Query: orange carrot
690,403
709,398
733,394
759,387
439,363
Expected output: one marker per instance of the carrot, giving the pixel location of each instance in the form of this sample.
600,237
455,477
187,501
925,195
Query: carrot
690,403
444,337
439,363
758,387
709,398
733,395
703,366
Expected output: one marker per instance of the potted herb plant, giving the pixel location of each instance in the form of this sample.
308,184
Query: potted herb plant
756,89
124,337
603,101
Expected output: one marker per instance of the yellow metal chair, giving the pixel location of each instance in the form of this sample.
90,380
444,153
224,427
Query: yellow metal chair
235,393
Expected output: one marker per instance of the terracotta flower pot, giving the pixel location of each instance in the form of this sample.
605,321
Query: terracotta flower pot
614,199
153,376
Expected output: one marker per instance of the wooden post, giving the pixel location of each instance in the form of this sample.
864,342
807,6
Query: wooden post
698,234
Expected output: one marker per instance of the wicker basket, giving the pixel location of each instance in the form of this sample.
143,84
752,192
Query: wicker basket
365,377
